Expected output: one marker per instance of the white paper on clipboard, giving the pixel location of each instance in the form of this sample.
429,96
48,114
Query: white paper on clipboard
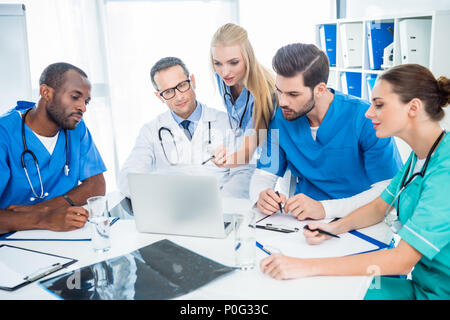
17,263
294,244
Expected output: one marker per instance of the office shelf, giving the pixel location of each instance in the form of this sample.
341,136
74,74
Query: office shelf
434,42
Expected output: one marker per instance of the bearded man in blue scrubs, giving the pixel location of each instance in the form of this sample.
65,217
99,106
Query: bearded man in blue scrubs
49,164
324,139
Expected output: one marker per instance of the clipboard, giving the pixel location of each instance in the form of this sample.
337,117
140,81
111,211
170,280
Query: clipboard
20,266
379,244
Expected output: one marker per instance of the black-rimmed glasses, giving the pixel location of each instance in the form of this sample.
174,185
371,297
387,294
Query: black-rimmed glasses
181,87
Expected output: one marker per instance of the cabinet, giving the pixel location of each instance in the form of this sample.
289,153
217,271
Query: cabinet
419,38
422,38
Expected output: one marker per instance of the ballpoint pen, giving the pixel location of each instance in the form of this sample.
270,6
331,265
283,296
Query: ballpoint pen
279,203
321,231
210,158
259,245
113,221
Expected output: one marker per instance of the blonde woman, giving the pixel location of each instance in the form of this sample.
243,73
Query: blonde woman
247,89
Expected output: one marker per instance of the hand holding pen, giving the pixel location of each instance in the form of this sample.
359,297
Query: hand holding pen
271,201
317,232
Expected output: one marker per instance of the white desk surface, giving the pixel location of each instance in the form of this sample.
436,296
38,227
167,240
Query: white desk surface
248,285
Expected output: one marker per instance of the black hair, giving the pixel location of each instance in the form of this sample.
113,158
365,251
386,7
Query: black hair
306,59
53,75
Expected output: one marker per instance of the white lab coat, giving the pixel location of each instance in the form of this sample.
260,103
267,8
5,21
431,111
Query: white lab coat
148,154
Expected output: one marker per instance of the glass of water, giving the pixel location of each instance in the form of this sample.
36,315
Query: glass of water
98,216
244,240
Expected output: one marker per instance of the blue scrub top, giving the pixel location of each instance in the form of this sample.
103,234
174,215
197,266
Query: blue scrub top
236,110
84,160
345,159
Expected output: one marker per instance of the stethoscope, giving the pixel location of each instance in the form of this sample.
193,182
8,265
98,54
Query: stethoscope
238,131
392,220
175,144
28,151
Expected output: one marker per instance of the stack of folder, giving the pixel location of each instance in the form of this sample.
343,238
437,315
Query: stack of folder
379,36
328,41
351,40
351,83
415,35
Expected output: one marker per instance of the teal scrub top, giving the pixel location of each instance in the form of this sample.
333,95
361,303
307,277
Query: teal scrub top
425,215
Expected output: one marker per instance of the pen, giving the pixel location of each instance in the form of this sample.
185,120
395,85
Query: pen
259,245
279,203
113,221
210,158
321,231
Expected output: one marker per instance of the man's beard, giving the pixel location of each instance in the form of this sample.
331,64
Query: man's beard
295,115
58,116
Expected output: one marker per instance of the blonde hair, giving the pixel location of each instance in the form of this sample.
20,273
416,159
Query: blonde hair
258,80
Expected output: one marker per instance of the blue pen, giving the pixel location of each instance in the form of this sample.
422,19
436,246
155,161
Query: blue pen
259,245
113,221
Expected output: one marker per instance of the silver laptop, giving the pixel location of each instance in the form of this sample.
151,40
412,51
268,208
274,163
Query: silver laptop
178,204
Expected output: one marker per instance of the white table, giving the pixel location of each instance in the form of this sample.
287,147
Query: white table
248,285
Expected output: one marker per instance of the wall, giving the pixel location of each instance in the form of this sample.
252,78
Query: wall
273,24
367,8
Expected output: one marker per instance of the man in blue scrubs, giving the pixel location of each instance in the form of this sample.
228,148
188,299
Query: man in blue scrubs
62,164
322,136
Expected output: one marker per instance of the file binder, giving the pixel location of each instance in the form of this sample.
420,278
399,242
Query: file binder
415,40
19,266
351,40
379,36
328,41
351,83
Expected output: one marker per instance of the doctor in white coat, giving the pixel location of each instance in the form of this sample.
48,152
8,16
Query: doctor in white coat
183,139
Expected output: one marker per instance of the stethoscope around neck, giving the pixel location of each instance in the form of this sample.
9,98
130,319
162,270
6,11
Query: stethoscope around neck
175,144
26,151
238,130
393,220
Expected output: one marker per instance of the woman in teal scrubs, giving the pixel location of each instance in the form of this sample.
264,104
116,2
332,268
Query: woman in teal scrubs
407,102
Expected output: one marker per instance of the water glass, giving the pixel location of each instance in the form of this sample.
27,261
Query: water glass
98,216
244,240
